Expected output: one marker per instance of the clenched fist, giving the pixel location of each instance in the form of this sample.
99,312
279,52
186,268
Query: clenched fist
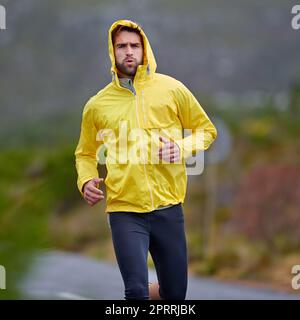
91,193
169,151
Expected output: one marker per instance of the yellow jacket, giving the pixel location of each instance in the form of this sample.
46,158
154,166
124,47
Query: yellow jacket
160,103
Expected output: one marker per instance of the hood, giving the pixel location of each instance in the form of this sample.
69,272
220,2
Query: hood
149,65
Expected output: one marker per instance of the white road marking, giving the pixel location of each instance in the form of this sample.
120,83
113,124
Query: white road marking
71,296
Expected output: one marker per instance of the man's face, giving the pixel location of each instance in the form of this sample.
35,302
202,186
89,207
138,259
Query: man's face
128,53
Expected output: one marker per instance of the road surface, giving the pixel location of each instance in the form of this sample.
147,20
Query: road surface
60,275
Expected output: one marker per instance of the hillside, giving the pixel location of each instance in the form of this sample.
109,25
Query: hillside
53,55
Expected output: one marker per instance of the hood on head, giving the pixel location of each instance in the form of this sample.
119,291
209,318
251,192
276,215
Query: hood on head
149,63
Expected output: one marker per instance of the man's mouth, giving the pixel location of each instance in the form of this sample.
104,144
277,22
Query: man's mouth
129,60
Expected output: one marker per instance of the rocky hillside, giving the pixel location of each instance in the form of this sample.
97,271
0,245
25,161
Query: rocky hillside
53,55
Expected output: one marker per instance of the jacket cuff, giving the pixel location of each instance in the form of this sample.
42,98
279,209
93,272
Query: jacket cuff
82,182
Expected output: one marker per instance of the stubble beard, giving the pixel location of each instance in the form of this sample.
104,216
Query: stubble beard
128,71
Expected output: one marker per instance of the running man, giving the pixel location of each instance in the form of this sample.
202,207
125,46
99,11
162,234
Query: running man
139,117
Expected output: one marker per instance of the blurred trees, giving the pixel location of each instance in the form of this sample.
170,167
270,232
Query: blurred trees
256,194
267,207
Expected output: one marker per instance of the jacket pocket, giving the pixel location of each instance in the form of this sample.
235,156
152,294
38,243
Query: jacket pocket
158,117
157,113
113,180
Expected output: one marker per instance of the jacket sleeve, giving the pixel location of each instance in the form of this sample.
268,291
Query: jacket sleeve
85,153
193,118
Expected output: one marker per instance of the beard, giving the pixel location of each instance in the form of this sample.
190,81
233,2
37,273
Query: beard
126,70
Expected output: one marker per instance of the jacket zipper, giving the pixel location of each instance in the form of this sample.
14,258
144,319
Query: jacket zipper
137,116
145,170
145,115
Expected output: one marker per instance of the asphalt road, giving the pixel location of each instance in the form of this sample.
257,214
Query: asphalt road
60,275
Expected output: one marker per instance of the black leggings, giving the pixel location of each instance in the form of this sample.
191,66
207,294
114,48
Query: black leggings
162,233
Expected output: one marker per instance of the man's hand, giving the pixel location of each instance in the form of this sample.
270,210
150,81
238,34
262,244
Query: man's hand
91,193
170,151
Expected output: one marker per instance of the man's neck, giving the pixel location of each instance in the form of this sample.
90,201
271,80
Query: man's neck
127,83
124,76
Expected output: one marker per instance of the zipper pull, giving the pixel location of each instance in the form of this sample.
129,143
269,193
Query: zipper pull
143,107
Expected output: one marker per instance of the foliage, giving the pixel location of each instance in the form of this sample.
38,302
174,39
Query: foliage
267,206
34,183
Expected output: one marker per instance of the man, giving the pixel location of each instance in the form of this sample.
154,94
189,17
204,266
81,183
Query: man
144,197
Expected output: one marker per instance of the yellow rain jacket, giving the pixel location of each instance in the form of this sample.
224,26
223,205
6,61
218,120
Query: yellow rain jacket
159,103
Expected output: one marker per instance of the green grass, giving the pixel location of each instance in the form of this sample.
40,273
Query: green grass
34,183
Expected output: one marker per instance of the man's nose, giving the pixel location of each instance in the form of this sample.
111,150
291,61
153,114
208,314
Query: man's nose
129,51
